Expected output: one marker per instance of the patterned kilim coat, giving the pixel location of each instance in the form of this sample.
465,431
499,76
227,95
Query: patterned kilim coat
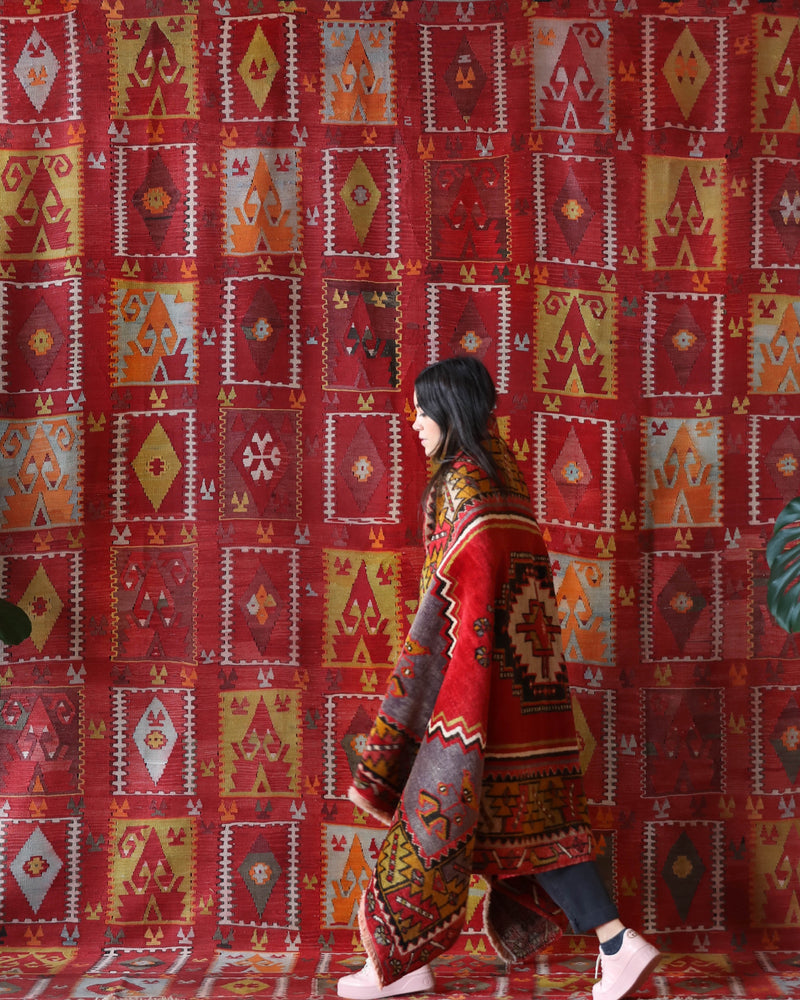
473,760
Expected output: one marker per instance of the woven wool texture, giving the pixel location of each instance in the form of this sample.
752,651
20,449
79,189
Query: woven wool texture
230,235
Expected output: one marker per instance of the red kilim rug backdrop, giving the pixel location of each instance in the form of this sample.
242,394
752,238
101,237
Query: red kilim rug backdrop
231,233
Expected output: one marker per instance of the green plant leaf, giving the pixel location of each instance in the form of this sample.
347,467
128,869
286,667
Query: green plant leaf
15,625
783,556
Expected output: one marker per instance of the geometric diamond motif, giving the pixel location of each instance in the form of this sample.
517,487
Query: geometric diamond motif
785,739
681,603
571,472
785,212
466,79
36,69
40,338
686,70
361,197
263,326
35,868
782,462
260,872
259,67
364,469
529,643
530,624
683,871
586,739
157,465
262,606
43,605
470,335
157,199
155,737
354,740
572,211
683,342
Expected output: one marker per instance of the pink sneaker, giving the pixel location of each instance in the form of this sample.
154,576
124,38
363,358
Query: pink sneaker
364,985
624,971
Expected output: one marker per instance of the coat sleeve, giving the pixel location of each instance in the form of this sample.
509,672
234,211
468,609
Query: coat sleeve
399,728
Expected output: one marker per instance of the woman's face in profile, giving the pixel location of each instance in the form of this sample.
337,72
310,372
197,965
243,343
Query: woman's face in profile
429,432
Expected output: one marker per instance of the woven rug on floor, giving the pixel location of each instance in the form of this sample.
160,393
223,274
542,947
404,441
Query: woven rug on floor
309,975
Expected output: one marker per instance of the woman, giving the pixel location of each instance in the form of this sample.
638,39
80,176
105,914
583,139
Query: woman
473,761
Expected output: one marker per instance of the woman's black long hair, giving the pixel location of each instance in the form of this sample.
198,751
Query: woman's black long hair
459,394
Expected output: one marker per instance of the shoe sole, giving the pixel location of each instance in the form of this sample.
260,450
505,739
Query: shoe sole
419,981
641,976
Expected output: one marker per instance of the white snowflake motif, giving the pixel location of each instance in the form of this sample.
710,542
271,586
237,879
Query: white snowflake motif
259,459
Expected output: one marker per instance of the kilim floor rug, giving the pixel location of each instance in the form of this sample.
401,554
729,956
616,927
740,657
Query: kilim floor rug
308,975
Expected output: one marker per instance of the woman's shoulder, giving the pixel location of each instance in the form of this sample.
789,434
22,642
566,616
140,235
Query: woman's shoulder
514,480
466,475
466,485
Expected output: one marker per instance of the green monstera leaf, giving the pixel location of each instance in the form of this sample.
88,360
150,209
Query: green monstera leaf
15,625
783,556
